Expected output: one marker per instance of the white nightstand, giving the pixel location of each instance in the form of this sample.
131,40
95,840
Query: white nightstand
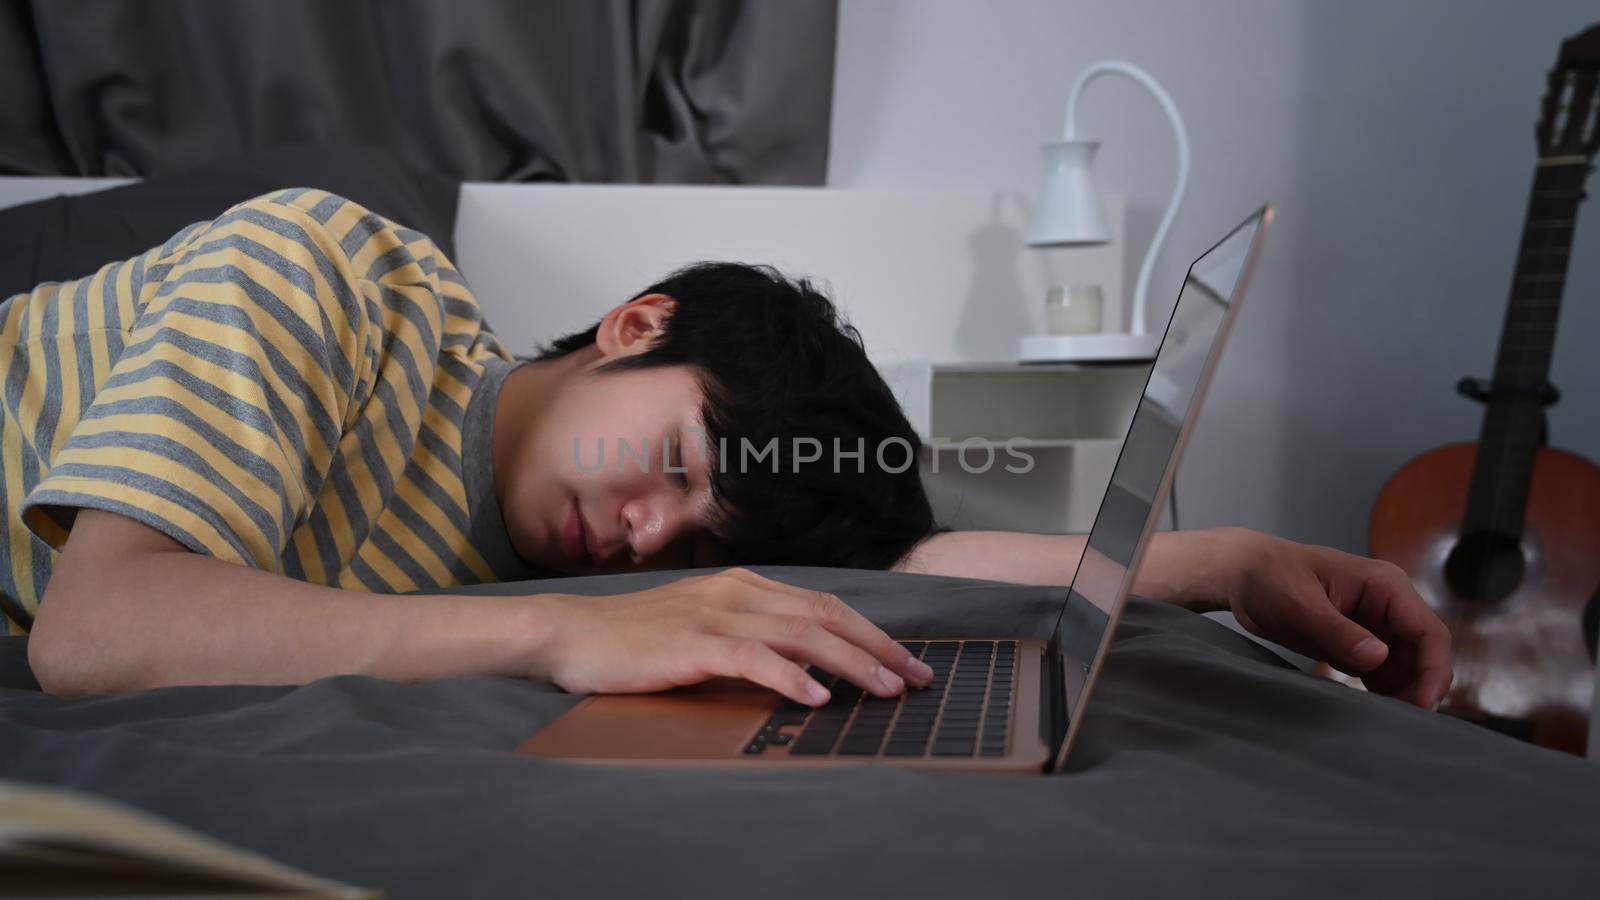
1072,418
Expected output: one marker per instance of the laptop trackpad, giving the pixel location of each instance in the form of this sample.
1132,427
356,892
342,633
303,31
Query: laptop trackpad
706,721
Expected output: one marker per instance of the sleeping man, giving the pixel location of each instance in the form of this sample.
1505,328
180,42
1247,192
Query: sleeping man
238,438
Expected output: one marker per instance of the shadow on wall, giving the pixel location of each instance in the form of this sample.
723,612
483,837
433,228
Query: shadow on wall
1415,160
995,309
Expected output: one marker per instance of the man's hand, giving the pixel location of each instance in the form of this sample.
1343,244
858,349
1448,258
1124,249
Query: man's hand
1360,615
1313,600
733,623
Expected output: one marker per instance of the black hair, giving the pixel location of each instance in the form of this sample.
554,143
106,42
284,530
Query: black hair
778,362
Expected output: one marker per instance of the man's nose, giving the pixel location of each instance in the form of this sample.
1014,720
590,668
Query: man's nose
654,522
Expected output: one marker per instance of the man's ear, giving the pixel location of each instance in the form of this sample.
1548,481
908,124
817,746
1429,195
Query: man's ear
633,327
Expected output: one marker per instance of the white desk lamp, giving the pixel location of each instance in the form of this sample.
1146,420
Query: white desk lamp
1069,213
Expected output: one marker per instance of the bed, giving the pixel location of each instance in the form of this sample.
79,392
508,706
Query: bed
1207,767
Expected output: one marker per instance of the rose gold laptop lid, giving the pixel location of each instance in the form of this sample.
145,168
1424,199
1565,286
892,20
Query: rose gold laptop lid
1139,484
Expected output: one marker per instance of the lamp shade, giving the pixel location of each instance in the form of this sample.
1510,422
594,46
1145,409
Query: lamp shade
1068,211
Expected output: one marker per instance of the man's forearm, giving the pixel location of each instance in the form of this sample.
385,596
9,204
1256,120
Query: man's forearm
176,617
1013,556
1187,568
1177,565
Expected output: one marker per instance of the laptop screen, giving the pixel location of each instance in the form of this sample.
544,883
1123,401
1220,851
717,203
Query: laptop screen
1140,480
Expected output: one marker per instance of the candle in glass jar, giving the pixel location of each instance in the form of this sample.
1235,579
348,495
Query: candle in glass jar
1075,309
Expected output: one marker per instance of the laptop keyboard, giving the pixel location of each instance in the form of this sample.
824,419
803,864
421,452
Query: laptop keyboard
965,711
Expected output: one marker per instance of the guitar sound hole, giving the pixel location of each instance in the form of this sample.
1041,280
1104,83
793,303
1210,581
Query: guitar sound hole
1484,567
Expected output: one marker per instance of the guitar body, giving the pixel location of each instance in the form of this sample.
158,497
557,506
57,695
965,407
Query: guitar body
1521,658
1502,536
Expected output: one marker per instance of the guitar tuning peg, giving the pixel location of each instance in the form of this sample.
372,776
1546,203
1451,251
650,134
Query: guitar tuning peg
1473,389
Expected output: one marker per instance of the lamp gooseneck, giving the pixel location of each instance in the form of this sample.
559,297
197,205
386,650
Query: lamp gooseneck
1143,78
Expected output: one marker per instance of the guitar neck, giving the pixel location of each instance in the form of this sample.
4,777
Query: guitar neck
1513,421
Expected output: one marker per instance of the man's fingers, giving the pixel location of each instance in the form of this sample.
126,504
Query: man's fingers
776,598
1434,682
839,618
798,637
1392,605
1422,674
1349,647
752,660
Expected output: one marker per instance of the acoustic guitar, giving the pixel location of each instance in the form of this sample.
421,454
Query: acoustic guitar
1502,537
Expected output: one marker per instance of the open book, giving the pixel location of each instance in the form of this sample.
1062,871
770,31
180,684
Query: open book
58,843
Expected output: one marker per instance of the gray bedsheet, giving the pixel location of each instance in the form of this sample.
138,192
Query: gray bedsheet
1207,768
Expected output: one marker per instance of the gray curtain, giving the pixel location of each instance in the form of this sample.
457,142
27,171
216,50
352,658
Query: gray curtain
687,91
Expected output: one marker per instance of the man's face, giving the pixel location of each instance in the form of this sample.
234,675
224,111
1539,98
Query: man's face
598,487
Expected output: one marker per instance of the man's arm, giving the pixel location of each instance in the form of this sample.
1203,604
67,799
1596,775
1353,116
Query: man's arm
1361,615
1012,556
1174,569
129,608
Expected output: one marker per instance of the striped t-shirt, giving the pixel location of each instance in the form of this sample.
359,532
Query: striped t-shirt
298,385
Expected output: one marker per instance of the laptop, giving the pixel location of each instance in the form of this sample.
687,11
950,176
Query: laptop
1001,704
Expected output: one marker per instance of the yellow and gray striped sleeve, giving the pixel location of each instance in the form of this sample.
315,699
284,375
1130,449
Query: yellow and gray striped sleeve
221,418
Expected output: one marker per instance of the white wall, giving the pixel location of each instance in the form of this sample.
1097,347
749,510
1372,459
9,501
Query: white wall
1395,139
